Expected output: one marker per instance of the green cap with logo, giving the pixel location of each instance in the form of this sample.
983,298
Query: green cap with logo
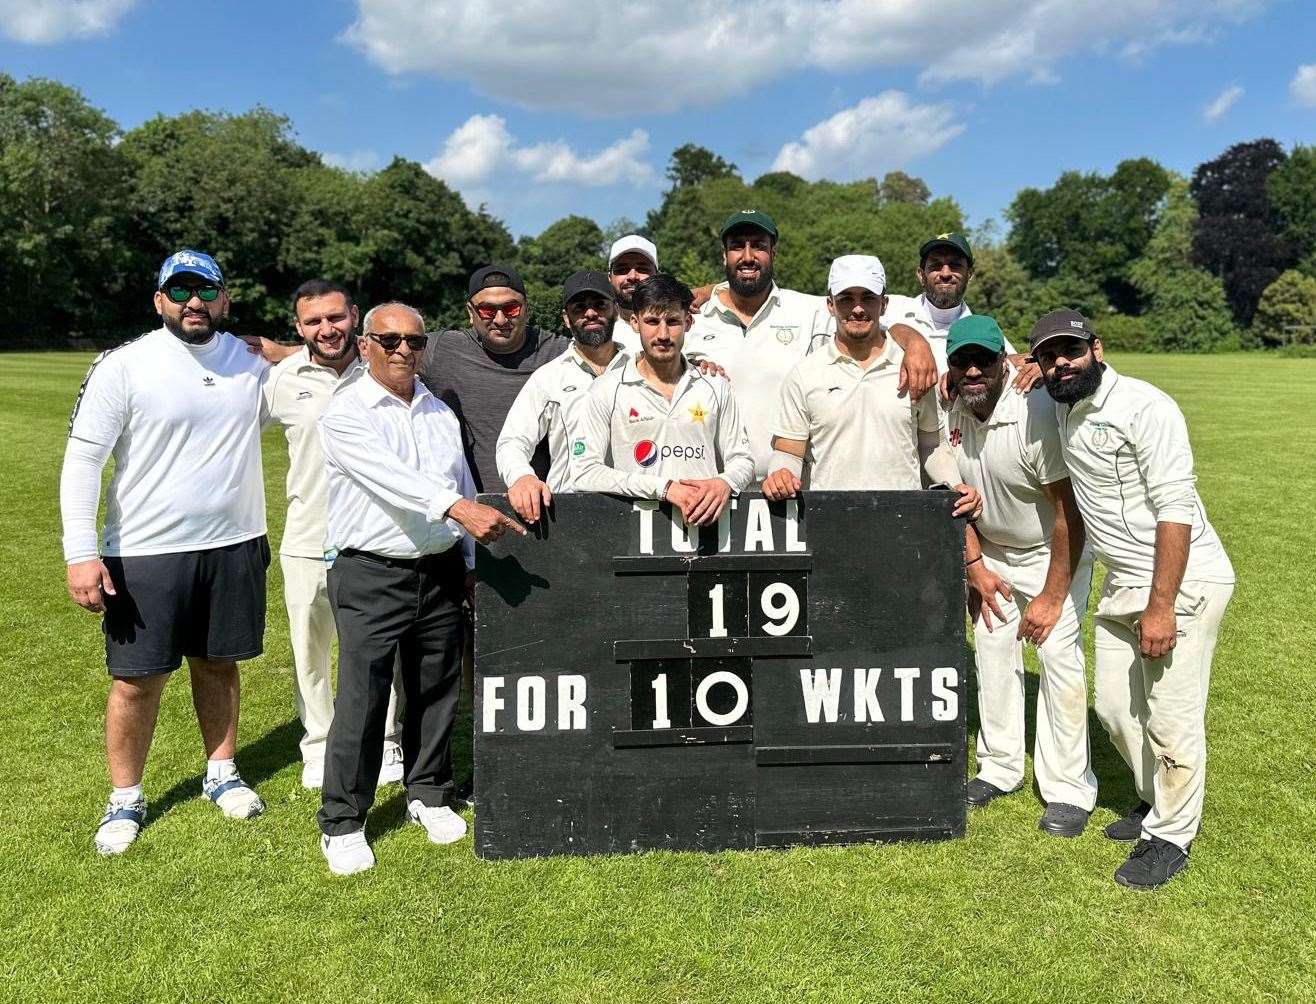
958,242
750,218
976,329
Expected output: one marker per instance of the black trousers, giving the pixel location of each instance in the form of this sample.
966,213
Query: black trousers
384,606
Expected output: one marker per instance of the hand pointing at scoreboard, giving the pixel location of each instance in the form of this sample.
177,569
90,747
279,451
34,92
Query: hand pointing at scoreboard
485,523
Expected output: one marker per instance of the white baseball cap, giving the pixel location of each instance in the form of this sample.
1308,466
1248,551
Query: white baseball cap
863,270
633,242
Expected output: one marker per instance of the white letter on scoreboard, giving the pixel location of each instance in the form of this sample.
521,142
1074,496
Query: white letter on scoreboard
793,542
685,539
645,509
531,698
571,702
758,526
492,702
866,708
822,693
906,675
946,702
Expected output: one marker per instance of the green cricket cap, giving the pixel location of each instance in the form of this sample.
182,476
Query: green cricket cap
957,241
976,329
750,218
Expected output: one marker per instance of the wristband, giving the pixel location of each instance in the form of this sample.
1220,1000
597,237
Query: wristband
973,562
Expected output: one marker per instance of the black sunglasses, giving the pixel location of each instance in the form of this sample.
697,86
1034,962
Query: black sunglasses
179,293
391,343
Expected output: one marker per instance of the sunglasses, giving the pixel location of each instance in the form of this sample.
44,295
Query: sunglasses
181,294
488,311
391,343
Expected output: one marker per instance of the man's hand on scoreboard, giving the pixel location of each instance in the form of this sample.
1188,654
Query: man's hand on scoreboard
485,523
970,503
780,485
710,498
89,584
984,586
529,496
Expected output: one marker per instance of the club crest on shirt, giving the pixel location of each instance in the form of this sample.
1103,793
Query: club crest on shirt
956,437
785,332
1101,435
698,413
578,447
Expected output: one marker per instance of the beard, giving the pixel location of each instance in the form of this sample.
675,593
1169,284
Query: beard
978,399
195,337
593,339
944,299
1082,386
349,347
750,287
625,297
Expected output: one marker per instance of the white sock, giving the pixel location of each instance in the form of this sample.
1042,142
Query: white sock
221,770
128,795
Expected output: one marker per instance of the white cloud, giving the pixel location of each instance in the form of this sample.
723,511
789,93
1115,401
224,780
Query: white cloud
879,134
1302,88
1217,109
660,58
482,147
354,160
43,22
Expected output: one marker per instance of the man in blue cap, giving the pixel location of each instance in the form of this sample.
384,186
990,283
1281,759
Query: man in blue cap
178,570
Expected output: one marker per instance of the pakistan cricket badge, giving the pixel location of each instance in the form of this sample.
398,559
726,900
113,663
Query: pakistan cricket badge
785,333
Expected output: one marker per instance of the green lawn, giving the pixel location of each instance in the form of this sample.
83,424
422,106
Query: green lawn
207,908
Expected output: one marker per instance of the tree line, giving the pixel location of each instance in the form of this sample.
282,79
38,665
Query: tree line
1222,259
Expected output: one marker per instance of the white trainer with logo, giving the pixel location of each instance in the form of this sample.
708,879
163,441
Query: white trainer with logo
347,854
120,826
234,797
442,824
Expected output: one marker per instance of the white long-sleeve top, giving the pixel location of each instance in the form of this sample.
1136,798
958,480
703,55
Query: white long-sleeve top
635,440
548,405
1131,465
395,469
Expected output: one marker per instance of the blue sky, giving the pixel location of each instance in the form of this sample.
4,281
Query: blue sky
539,109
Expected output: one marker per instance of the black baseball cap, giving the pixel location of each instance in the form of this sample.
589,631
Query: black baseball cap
1063,323
587,282
492,276
749,218
957,241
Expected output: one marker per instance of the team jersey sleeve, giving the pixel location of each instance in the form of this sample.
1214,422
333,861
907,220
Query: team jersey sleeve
1045,456
733,444
1165,460
526,424
792,408
591,469
268,406
352,447
929,415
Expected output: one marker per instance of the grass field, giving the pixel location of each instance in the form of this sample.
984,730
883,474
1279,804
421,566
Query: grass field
204,908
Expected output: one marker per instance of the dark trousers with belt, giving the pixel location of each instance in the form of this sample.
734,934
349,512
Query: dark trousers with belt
382,607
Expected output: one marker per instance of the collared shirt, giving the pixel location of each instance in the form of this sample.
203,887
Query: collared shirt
635,440
295,396
395,469
626,336
929,321
1008,458
549,405
860,433
757,357
1131,464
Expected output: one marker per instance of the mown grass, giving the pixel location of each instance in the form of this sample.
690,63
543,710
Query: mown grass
205,908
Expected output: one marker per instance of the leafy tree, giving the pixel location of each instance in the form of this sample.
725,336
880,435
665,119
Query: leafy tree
569,245
1286,312
1236,237
692,165
1291,188
66,263
897,186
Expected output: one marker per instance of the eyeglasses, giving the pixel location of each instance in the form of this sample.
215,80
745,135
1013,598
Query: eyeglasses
488,311
391,343
181,294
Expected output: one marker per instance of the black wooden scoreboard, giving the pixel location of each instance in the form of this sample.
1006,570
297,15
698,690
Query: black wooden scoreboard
793,675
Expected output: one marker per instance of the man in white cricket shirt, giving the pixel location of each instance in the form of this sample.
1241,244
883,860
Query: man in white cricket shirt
658,428
296,394
1027,548
757,331
1168,582
841,422
179,570
631,260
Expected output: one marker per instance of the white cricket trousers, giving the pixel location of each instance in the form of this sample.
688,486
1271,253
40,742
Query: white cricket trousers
1062,761
312,633
1155,709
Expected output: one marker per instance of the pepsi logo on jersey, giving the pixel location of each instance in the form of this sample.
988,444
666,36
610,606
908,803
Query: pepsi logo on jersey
647,452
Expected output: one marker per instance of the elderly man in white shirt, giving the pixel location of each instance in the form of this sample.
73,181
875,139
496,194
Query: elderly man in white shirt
401,523
1168,582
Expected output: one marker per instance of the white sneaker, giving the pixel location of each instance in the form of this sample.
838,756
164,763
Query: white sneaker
390,772
347,854
234,798
313,775
442,824
120,826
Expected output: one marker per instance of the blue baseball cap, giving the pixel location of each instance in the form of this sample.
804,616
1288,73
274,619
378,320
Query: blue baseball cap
192,262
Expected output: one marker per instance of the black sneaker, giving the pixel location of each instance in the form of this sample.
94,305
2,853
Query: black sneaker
1130,827
1063,820
979,792
1152,863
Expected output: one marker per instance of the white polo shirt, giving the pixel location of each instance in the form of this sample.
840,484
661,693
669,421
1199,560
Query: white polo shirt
929,321
626,336
757,357
861,435
548,405
1131,464
1008,458
633,440
295,395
